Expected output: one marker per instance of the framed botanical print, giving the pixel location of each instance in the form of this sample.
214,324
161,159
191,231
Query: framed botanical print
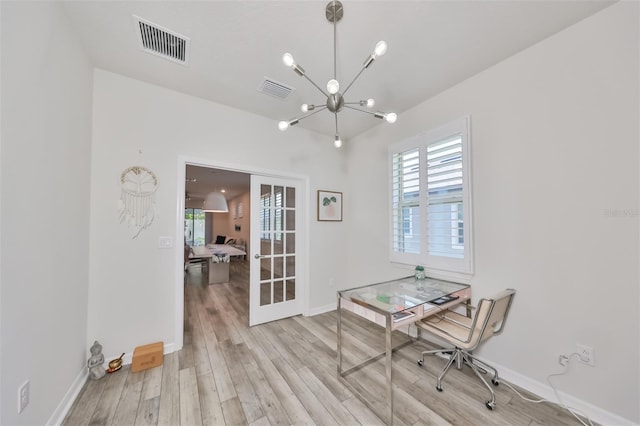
329,206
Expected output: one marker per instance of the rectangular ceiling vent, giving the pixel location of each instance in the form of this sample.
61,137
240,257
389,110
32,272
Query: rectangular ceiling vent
154,39
274,88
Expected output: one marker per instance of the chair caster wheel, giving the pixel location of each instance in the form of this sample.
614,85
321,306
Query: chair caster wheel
420,362
490,405
439,388
495,382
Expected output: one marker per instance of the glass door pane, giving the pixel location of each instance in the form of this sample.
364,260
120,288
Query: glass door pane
277,244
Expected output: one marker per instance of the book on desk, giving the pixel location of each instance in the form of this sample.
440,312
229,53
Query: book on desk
399,316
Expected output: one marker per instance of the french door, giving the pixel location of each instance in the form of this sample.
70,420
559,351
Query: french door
275,278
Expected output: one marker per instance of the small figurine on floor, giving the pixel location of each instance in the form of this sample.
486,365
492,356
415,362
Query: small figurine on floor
96,370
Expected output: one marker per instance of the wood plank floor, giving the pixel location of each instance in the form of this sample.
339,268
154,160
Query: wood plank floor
284,372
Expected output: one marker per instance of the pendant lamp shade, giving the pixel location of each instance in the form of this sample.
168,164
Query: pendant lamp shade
216,203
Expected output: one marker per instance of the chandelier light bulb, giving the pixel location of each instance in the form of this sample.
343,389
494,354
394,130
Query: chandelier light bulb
391,117
337,142
381,48
370,103
287,58
283,125
333,86
304,108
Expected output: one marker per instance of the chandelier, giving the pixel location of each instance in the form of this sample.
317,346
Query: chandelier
335,100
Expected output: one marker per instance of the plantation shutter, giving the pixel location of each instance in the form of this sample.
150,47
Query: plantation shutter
445,213
405,178
431,212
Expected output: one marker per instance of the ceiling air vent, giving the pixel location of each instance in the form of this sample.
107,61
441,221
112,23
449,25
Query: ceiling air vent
162,42
275,88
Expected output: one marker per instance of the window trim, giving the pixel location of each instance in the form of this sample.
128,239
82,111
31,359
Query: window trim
436,265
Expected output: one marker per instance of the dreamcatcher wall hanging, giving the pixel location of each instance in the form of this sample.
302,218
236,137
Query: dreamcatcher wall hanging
137,198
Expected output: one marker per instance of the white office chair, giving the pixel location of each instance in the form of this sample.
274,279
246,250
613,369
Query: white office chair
466,334
203,262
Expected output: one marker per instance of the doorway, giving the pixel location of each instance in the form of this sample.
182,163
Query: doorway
221,176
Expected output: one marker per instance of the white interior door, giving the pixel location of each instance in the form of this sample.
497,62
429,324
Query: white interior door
275,278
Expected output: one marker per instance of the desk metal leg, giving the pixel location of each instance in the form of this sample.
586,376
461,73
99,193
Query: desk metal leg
339,337
389,350
387,354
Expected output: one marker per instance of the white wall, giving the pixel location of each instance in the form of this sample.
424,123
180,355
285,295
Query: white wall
225,223
132,282
556,188
46,122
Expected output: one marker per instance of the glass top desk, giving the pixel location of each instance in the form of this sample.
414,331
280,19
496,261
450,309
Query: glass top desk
394,304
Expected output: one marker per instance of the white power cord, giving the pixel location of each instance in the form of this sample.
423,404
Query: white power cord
575,413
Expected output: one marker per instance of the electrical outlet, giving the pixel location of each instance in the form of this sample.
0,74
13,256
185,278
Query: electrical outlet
563,360
585,354
23,396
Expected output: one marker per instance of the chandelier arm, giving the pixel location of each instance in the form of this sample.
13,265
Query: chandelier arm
336,116
353,81
315,111
358,109
317,87
335,37
389,117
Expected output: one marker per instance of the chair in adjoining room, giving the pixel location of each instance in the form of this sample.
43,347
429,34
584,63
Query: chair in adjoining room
466,334
188,260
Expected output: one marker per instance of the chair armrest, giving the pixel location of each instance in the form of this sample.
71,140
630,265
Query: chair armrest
456,318
449,325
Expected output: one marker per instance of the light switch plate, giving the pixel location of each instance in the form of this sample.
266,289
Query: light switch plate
165,242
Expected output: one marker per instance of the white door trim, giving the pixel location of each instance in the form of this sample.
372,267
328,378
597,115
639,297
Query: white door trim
183,161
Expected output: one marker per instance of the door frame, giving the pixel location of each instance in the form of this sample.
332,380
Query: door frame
183,161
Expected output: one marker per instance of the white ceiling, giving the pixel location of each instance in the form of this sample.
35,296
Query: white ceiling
433,45
202,180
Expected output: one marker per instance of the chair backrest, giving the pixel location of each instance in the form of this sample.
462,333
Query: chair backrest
490,317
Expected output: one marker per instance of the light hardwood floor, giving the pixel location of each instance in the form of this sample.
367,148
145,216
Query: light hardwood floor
284,372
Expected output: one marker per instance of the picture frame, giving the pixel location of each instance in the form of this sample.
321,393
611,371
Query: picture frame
329,206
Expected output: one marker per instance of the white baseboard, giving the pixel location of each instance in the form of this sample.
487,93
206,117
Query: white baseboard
322,309
545,391
65,405
69,398
170,348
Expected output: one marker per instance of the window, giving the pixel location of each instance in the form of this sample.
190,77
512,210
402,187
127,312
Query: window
266,210
194,226
265,216
431,199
